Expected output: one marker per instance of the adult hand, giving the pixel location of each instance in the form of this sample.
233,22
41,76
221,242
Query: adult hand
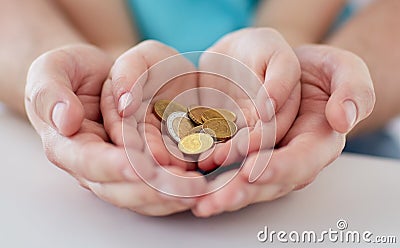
337,93
63,103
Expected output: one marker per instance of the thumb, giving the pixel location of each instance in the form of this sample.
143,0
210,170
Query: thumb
352,94
51,102
135,74
52,80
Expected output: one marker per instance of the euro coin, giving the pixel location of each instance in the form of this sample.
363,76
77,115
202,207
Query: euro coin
195,113
197,129
163,108
220,128
178,125
227,114
218,113
182,126
196,143
211,114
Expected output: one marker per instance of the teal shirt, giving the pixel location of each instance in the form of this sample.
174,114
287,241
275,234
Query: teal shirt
194,25
191,25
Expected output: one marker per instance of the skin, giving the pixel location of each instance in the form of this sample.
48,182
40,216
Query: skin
147,54
361,35
269,100
377,46
293,165
298,24
42,19
78,129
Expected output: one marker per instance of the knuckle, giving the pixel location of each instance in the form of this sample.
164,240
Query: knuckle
150,44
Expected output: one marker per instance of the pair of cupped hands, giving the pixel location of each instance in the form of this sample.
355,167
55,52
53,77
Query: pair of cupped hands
95,119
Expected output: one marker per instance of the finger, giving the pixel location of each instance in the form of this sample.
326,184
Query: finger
50,96
267,134
352,94
262,136
267,59
155,147
160,210
53,79
122,131
144,197
236,194
127,195
222,189
227,153
281,77
138,72
87,156
296,162
177,184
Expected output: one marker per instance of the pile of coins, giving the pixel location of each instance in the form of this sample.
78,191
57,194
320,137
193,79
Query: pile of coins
197,128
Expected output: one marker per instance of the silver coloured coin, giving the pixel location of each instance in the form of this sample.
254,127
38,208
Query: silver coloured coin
170,126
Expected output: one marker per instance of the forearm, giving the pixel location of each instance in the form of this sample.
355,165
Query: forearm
373,36
297,22
106,24
29,28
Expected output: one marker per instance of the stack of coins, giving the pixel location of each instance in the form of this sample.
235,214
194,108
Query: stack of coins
197,128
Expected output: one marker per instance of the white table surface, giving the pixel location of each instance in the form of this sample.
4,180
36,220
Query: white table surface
41,206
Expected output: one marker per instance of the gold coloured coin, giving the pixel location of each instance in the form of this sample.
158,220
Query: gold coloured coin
218,113
163,108
211,114
196,143
197,129
195,113
182,126
227,114
220,128
173,122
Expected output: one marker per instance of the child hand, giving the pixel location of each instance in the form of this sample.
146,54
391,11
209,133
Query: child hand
137,80
261,73
331,78
139,75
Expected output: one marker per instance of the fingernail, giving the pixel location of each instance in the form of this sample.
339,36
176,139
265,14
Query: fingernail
58,114
270,109
124,101
351,112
